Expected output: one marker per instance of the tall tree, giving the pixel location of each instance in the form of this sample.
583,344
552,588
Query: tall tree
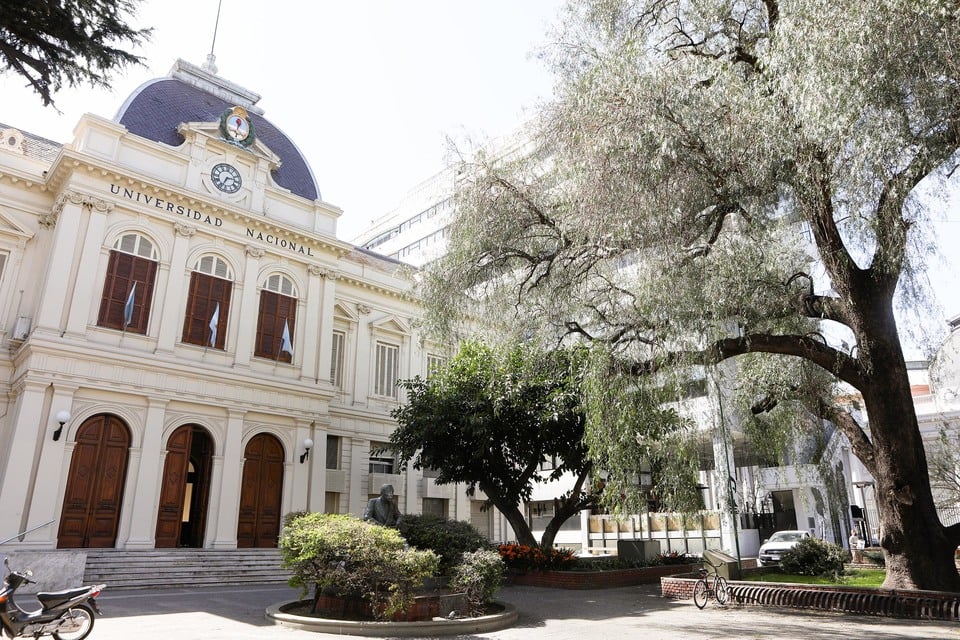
720,178
72,42
490,418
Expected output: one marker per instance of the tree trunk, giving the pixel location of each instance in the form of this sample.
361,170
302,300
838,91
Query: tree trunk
510,511
918,549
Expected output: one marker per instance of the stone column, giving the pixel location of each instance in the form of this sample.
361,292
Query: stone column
143,521
65,220
326,325
317,494
312,323
357,494
52,469
300,491
225,496
363,375
248,310
173,307
85,288
29,428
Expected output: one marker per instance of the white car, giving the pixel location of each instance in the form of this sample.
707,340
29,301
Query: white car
773,548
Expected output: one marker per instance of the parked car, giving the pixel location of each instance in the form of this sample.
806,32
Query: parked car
774,547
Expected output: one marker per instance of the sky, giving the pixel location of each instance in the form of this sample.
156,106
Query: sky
369,90
372,90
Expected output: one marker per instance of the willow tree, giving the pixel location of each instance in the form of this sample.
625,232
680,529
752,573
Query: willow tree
717,180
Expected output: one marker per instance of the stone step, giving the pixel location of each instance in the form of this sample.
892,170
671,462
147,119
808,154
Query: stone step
183,567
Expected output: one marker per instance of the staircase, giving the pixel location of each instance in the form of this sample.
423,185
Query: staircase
154,568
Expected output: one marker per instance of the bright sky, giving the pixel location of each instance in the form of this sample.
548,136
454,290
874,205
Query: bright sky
370,90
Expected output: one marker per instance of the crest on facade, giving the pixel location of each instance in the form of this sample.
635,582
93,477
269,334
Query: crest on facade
237,127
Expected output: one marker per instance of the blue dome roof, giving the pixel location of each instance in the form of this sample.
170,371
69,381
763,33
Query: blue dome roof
157,108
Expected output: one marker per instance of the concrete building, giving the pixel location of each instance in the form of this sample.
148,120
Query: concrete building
190,352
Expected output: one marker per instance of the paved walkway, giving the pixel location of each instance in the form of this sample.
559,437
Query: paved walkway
236,613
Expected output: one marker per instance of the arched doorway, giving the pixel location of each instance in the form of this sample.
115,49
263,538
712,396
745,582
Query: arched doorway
98,470
185,489
261,491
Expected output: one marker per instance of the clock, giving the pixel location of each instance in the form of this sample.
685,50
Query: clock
226,178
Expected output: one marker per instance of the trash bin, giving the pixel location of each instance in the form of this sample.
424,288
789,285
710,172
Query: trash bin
724,564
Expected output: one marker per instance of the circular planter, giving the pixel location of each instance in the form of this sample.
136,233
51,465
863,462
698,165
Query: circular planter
426,628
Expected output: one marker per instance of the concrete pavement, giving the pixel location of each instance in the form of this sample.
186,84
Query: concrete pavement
237,613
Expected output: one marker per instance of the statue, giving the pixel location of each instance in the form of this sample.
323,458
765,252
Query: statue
383,510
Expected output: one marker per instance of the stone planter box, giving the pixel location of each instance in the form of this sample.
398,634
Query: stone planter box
597,579
425,607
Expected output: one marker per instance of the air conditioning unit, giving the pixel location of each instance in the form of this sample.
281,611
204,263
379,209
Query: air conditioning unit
21,330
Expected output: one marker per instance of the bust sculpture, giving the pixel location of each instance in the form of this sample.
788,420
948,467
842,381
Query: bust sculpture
383,509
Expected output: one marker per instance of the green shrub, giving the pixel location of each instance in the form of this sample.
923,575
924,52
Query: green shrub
449,539
814,557
479,576
354,559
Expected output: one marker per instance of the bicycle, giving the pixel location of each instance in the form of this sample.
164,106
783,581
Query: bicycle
707,587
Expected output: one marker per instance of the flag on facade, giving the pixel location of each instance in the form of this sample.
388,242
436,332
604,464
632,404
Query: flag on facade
285,344
128,307
214,321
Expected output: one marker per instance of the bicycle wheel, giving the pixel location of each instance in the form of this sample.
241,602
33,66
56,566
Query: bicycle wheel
720,590
700,594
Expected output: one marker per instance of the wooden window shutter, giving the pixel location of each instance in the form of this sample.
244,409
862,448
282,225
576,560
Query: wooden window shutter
206,292
123,270
275,309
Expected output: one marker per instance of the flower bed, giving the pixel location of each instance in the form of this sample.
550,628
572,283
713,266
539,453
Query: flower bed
596,579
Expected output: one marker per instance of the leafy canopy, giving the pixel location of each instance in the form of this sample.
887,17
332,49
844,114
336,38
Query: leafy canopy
55,42
490,417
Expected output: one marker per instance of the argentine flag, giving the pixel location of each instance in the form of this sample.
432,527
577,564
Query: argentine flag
285,344
128,307
214,321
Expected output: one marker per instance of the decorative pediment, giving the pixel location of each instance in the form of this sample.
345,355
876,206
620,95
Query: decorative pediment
213,135
391,324
343,312
9,225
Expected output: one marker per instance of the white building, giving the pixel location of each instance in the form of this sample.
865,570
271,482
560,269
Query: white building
180,323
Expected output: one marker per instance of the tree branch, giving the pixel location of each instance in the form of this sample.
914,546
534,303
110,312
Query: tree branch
813,349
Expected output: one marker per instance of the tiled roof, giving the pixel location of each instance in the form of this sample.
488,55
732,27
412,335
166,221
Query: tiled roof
159,107
36,147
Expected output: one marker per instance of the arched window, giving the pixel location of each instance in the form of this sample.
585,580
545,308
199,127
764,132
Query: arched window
208,303
277,319
128,286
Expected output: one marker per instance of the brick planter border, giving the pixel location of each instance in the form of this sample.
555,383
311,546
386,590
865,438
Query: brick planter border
928,605
597,579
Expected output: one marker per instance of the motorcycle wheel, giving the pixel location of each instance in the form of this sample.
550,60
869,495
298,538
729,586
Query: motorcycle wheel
81,615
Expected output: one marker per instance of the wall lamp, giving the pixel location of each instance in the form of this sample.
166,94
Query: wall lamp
307,445
62,417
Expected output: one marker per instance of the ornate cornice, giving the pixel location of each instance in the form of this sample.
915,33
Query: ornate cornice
73,197
322,272
184,230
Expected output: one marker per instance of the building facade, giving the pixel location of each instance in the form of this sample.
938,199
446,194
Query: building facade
191,353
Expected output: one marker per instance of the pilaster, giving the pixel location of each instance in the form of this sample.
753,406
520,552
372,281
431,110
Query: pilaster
173,299
143,520
248,308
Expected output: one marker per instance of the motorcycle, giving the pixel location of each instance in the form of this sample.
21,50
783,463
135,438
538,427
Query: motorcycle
65,615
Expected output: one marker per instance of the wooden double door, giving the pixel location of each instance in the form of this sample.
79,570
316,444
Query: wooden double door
261,492
94,493
98,467
185,488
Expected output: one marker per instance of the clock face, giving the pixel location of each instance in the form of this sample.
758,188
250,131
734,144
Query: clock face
226,178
